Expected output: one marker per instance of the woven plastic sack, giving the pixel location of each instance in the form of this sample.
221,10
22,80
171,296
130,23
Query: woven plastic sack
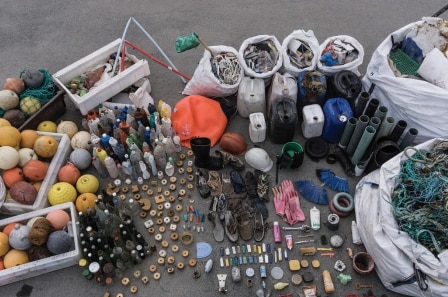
352,66
307,37
394,252
205,83
421,104
267,75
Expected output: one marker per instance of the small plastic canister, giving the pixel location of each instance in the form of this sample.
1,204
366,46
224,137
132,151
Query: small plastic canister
251,97
313,121
257,127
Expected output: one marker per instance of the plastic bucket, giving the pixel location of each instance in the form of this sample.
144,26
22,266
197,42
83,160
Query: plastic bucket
294,152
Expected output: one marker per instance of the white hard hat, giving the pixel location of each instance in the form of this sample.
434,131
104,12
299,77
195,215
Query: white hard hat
259,159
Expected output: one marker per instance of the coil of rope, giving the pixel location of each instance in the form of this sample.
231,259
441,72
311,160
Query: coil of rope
420,197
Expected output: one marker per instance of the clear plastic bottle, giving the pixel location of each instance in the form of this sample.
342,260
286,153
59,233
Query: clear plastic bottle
111,167
177,146
160,154
167,130
153,136
169,168
152,163
93,126
105,123
170,148
128,168
144,170
141,131
100,168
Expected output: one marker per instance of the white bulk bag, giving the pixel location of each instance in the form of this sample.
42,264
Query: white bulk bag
352,66
248,70
302,36
205,83
421,104
393,251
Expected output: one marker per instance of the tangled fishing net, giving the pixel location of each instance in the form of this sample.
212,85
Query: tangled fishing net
45,92
420,198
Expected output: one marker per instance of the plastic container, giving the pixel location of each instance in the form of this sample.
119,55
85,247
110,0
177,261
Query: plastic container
282,120
56,262
282,86
251,97
337,111
59,159
315,218
107,89
276,232
257,127
313,121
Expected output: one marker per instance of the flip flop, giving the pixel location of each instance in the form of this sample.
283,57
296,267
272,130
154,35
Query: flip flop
237,182
214,182
246,226
203,187
231,226
259,227
218,230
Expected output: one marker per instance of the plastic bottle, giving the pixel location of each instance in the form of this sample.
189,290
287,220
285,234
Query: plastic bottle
153,136
100,168
356,238
129,169
133,138
105,123
166,127
93,126
169,168
101,154
277,233
111,167
135,158
105,138
176,142
159,154
315,218
141,131
144,170
170,148
147,135
152,163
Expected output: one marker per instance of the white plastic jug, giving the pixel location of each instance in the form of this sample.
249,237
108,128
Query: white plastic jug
313,121
251,96
282,86
257,127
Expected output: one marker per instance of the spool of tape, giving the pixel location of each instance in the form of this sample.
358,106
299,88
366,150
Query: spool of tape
333,222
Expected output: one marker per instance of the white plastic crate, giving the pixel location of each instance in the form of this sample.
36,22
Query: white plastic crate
45,265
59,159
107,89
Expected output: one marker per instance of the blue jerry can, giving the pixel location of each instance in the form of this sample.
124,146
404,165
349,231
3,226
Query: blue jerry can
337,111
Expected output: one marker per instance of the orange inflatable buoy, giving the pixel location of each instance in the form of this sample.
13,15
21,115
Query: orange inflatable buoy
198,116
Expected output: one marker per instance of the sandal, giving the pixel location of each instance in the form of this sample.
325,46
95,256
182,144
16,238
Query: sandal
214,182
246,226
218,230
227,187
203,187
251,185
231,226
229,159
259,227
263,186
237,182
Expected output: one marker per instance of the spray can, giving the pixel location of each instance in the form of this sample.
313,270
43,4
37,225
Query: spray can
277,233
315,218
328,282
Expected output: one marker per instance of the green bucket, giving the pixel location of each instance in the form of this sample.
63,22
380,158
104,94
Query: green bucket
293,153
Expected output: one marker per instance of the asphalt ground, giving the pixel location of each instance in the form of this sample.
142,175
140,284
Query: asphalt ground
53,34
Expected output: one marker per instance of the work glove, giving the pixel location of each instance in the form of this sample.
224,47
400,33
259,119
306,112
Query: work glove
295,213
279,202
288,186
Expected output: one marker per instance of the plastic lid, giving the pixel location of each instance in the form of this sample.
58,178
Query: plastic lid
250,272
276,272
203,249
275,223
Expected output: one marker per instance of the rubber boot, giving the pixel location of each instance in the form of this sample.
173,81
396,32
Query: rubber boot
201,150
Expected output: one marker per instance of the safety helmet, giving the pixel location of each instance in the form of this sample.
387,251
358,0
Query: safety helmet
259,159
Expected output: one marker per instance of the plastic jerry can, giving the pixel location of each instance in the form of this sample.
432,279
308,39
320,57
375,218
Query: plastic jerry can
282,120
251,96
282,86
337,111
313,121
257,127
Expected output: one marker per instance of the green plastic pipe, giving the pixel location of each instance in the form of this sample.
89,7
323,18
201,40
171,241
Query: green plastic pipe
348,131
381,112
363,121
363,144
375,122
385,128
409,138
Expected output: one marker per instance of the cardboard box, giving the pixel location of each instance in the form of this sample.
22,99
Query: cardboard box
51,111
49,264
59,159
106,89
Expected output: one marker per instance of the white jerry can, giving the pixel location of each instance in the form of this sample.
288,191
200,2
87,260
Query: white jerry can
257,127
251,96
313,121
282,86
